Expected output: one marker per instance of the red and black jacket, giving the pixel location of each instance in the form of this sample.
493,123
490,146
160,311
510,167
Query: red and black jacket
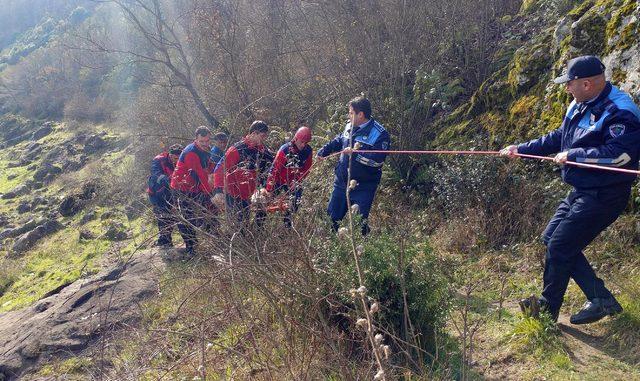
236,174
158,182
289,165
192,171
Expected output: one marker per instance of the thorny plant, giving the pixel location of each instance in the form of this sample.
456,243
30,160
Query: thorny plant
379,350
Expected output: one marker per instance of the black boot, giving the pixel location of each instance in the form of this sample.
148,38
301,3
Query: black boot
596,309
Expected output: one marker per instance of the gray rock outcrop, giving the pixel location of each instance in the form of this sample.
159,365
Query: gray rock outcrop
76,314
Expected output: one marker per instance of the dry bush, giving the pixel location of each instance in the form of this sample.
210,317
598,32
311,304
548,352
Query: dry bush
274,303
495,204
83,108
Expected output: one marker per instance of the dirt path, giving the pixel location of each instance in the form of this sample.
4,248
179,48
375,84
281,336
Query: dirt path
591,355
583,344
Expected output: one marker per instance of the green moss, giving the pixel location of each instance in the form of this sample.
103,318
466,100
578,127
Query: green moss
455,134
565,46
523,116
8,274
628,36
504,55
497,127
59,260
580,10
495,92
57,137
618,75
529,66
589,35
74,366
21,174
553,110
523,106
18,176
62,259
529,6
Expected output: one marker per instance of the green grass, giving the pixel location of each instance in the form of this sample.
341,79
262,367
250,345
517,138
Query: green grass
61,259
56,261
536,336
21,173
70,369
623,331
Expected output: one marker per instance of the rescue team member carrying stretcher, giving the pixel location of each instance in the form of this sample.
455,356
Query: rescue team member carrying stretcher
601,126
191,185
291,165
236,175
159,193
361,133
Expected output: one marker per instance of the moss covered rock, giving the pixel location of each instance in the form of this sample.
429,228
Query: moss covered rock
622,29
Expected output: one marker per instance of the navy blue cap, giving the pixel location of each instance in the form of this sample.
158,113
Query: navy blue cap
581,67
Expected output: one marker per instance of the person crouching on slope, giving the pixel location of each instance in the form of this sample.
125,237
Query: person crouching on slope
235,176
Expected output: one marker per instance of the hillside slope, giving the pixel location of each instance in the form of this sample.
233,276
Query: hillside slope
279,304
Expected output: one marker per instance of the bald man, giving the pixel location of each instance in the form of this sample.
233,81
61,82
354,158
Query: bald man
601,126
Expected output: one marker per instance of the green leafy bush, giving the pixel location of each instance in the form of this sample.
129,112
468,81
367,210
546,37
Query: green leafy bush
402,275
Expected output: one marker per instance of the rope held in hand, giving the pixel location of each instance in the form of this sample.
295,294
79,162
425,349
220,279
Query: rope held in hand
279,203
495,153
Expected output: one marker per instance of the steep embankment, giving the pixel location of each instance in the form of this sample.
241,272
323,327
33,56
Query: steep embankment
67,319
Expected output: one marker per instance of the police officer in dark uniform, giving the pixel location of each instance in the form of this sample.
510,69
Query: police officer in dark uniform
361,133
601,126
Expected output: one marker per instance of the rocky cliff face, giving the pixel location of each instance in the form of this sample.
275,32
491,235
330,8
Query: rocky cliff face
519,101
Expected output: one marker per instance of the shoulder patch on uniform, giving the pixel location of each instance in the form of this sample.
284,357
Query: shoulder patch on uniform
378,126
616,130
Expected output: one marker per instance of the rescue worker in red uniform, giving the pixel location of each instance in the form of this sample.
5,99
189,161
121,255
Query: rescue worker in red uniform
236,175
192,187
291,165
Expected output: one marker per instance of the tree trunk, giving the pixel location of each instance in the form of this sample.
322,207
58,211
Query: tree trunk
213,122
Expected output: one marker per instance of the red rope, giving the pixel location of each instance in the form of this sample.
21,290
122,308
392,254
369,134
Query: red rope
279,204
490,153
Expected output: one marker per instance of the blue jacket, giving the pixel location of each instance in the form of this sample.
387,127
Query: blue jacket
216,154
366,168
604,131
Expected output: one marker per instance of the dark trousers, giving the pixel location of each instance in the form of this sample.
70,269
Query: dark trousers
192,207
166,223
238,210
362,195
577,221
